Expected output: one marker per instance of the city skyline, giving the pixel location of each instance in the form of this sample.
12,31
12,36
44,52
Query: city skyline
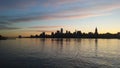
76,34
31,17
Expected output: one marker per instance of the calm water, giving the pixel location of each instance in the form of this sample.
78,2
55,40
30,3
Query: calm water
60,53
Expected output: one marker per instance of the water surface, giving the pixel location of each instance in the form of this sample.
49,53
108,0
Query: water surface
60,53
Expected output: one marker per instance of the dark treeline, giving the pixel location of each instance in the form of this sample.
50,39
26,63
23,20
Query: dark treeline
76,34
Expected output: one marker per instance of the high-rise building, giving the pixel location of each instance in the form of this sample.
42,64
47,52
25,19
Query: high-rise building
96,31
61,30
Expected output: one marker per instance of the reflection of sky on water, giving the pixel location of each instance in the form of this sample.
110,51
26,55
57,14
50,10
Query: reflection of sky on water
96,51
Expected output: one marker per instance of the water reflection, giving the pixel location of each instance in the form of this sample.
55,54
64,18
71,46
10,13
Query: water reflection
96,47
64,53
42,44
59,42
68,41
77,43
56,45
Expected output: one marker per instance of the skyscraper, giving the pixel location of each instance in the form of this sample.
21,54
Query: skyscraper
61,30
96,31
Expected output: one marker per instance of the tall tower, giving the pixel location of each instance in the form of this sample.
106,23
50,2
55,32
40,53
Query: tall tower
96,31
61,30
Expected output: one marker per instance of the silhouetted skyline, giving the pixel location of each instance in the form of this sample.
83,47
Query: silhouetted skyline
77,34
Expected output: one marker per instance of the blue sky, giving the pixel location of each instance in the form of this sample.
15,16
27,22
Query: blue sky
26,17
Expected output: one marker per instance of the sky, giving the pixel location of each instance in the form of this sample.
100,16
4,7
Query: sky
31,17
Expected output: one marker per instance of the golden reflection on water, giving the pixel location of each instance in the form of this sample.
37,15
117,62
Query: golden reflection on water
86,47
101,51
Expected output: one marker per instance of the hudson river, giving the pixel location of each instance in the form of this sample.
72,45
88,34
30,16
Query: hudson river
60,53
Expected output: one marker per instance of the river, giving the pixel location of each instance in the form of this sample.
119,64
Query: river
59,53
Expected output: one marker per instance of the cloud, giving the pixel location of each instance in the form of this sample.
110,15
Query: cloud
47,31
60,2
3,27
79,10
44,28
16,4
24,4
57,16
47,27
5,23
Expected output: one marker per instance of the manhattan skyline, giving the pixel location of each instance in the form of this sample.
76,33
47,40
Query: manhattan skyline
30,17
